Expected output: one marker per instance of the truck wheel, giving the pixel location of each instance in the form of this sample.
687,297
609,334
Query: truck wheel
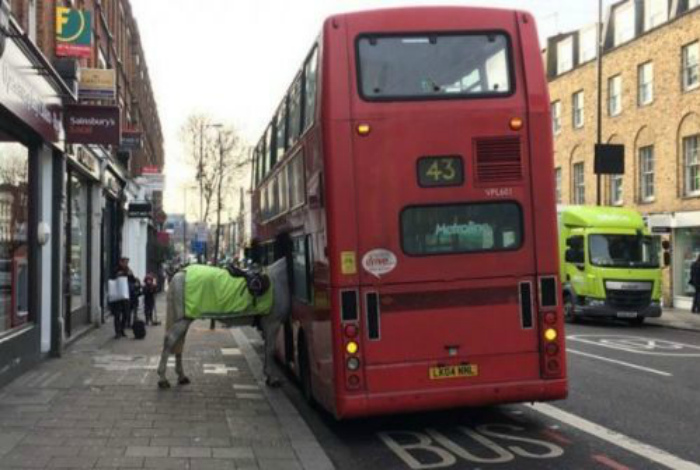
569,315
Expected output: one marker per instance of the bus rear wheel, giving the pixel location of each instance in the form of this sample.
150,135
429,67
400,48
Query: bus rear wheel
305,371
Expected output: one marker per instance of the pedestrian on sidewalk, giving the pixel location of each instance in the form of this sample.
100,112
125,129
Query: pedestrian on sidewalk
150,287
121,308
695,282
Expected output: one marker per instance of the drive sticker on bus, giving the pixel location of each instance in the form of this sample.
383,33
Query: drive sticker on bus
379,262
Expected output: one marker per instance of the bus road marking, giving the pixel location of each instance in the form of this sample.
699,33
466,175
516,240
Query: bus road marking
608,462
629,444
639,345
622,363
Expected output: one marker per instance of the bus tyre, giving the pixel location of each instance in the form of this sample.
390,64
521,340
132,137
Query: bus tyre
305,371
569,315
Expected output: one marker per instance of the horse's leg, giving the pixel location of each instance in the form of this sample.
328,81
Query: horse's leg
271,327
182,379
174,337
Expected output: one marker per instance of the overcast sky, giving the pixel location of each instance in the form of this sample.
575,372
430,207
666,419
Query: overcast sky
234,59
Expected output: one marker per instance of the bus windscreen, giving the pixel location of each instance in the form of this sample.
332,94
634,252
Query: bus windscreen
434,66
461,228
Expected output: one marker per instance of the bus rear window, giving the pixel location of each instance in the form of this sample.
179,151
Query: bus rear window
461,228
434,66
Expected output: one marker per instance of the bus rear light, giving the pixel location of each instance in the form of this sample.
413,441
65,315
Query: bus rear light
353,364
550,318
353,381
552,349
352,347
552,365
350,331
363,129
516,123
550,334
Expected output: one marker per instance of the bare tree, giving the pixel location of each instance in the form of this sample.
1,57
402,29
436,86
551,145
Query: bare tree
232,160
200,143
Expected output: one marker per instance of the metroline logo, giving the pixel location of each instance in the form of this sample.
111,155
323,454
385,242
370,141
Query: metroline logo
73,32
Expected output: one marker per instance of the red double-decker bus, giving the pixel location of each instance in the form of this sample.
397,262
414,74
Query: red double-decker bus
411,166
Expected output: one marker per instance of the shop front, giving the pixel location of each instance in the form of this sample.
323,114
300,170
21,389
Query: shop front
112,225
683,228
81,179
30,132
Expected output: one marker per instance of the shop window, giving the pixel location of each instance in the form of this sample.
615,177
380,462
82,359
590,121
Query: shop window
310,71
691,66
645,78
579,196
14,214
646,173
691,151
79,242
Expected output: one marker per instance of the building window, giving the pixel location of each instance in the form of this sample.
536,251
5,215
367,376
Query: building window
656,13
78,257
646,173
556,117
693,3
690,66
624,23
311,73
579,196
691,150
14,251
577,109
616,190
588,44
645,79
565,55
557,184
614,95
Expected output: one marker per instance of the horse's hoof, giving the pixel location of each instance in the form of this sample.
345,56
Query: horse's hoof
183,381
273,382
162,384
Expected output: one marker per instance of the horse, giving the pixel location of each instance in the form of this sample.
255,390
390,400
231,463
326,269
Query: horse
177,324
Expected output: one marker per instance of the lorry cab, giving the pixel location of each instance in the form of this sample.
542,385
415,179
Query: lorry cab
610,264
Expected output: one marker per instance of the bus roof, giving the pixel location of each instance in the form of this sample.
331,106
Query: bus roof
603,217
401,15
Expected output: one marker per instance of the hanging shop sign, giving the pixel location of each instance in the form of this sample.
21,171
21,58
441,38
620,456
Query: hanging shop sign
27,94
98,125
73,32
97,84
131,140
140,209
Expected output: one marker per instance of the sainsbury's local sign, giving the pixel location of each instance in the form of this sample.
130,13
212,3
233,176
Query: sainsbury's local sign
98,125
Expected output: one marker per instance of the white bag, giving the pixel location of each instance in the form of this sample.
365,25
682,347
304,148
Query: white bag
118,289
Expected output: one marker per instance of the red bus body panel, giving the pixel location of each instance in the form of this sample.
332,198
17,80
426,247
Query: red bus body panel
435,310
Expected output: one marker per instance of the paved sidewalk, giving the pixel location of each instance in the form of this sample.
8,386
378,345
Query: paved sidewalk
676,318
99,407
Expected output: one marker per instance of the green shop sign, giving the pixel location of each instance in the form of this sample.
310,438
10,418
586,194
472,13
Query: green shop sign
73,32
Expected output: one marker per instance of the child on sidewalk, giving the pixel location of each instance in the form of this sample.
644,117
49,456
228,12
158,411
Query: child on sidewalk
149,297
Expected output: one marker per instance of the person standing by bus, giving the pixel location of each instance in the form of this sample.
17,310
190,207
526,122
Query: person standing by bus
150,288
121,309
695,282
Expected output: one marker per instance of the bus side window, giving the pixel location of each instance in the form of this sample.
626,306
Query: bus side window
301,268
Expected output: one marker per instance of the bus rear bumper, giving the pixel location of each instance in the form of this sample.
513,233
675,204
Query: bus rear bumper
353,406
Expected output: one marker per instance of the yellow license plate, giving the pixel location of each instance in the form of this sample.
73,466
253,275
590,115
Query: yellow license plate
452,372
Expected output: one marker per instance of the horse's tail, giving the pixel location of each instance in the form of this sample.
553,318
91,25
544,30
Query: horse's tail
175,309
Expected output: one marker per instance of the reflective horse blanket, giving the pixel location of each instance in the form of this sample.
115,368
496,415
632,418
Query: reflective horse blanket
213,293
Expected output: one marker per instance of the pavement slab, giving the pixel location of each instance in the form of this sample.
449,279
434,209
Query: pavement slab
99,407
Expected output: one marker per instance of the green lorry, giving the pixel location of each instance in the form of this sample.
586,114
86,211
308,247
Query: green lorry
609,264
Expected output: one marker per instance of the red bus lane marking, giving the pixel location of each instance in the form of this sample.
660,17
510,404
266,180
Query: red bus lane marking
555,436
608,462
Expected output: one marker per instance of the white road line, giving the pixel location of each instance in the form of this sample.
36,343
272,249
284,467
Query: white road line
622,363
646,451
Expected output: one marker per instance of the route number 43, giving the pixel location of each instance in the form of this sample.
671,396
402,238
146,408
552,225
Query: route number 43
501,443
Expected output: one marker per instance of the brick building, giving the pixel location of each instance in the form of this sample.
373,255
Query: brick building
650,104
